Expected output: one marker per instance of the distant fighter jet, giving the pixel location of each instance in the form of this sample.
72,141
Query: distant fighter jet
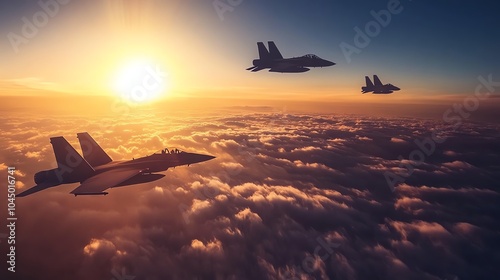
96,172
274,60
378,87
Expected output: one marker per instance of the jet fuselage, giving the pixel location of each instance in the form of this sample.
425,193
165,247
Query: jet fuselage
96,171
384,89
377,87
295,64
157,162
273,60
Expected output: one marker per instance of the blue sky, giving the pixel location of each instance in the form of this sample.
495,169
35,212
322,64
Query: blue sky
432,41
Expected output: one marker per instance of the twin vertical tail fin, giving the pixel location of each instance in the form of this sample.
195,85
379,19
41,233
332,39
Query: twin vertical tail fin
273,50
376,80
263,52
369,83
272,53
92,152
72,167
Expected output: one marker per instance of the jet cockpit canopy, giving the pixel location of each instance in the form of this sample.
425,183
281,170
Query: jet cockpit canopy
169,151
311,56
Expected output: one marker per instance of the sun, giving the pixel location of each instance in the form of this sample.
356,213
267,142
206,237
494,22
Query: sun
140,81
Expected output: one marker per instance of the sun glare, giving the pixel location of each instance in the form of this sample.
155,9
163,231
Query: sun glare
140,81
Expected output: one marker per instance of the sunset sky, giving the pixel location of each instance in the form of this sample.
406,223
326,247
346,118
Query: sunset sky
426,49
301,159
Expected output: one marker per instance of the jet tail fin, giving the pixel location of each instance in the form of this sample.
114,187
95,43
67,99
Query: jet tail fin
71,165
92,152
273,51
263,52
376,80
369,83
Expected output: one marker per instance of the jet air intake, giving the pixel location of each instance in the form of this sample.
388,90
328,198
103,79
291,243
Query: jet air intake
47,176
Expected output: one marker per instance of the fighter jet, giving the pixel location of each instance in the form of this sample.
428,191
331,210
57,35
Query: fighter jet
378,87
97,172
273,60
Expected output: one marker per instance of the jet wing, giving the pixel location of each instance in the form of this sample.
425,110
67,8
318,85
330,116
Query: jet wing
257,69
99,183
37,188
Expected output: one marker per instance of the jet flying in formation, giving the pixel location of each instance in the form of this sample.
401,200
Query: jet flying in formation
97,172
273,60
377,87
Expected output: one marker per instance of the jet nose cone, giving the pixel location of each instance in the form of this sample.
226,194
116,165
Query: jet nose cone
202,158
329,63
207,157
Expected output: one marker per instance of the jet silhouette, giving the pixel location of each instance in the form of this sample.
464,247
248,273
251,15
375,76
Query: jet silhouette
273,60
96,171
378,87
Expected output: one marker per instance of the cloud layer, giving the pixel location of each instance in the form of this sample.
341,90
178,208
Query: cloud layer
288,197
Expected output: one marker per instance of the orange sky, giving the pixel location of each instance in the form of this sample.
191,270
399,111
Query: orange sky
107,56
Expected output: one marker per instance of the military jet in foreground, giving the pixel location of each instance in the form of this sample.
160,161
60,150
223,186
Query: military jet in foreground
274,60
97,172
378,87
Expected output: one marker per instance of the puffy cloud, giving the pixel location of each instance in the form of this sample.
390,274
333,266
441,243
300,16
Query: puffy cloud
457,165
397,140
32,155
100,247
212,247
247,214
